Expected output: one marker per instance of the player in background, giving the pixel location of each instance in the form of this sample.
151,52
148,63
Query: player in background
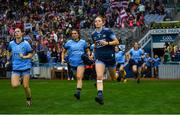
156,63
136,63
147,65
120,61
75,48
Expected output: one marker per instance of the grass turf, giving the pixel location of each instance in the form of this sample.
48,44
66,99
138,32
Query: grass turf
56,96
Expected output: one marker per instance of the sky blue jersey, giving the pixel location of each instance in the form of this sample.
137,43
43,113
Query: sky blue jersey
75,49
136,54
100,50
148,61
156,61
16,49
120,57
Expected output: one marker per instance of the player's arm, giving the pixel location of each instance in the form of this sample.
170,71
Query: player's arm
28,56
142,52
90,55
88,51
129,53
29,52
8,57
63,55
114,42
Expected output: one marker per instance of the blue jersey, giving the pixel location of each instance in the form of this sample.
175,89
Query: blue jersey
75,49
120,57
16,49
136,54
92,48
156,61
148,61
107,51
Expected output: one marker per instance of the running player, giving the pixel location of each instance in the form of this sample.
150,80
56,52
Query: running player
75,48
156,63
136,63
120,60
21,54
104,52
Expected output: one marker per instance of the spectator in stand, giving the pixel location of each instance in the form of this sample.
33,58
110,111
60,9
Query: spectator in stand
167,56
176,53
54,55
54,18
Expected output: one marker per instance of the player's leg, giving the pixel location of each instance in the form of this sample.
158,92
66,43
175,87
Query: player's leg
118,75
139,74
100,68
112,72
143,69
15,79
79,76
123,73
26,78
135,71
156,72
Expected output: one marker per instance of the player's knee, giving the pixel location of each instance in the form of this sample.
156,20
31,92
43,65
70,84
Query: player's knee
135,70
25,86
99,77
14,85
79,78
121,70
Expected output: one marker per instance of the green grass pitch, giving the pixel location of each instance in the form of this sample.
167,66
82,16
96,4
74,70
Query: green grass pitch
56,96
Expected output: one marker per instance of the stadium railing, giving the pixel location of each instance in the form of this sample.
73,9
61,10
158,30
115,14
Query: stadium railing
169,70
48,70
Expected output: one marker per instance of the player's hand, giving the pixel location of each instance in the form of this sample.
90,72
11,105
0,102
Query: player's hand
21,55
7,63
91,57
62,62
103,42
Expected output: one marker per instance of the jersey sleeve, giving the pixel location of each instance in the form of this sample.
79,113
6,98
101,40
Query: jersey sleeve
66,45
112,35
142,52
85,45
92,37
9,48
131,52
29,48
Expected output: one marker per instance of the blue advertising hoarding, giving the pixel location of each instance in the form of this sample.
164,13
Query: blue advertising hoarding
164,38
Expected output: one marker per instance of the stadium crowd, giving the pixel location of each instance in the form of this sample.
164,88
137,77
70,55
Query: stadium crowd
47,25
172,52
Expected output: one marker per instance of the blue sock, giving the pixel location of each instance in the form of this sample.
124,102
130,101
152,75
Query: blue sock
100,93
78,90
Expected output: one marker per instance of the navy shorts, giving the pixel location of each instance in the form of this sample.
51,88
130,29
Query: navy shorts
118,65
21,73
138,64
108,60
